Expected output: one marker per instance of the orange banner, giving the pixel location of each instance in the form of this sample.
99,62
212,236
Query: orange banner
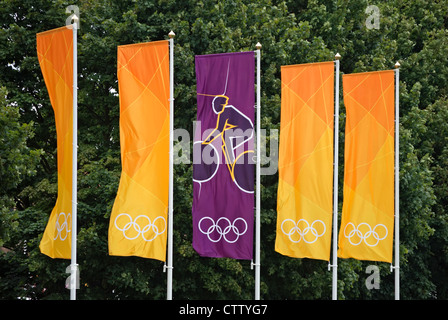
367,223
305,187
138,222
55,54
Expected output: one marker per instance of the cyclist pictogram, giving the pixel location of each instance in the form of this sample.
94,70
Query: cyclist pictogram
236,131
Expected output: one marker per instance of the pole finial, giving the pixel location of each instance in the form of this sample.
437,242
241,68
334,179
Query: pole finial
171,34
397,65
258,46
337,56
75,21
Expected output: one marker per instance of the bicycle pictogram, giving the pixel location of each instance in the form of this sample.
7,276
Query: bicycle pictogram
235,130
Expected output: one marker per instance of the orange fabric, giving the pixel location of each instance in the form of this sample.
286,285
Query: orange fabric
304,199
55,54
367,223
138,223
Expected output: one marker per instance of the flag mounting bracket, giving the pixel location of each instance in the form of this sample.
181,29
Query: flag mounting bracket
392,267
332,266
252,264
167,267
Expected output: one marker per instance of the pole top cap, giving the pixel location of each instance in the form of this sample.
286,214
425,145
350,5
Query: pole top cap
258,46
171,34
397,65
337,56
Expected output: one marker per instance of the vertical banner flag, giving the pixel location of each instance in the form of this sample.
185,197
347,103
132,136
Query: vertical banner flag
367,223
55,54
305,187
223,150
138,222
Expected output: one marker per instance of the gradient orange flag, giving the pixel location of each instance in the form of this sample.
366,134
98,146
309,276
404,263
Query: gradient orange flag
367,224
55,55
305,187
138,222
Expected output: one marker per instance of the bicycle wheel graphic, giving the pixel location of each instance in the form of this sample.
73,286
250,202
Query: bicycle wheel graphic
244,177
205,169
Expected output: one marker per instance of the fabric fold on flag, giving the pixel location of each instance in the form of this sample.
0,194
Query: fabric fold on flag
305,187
138,222
55,55
223,150
367,224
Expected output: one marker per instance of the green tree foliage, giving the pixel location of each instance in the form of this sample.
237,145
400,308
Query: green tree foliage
17,163
413,32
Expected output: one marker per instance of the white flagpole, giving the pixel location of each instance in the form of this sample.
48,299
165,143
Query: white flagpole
257,198
74,265
169,264
335,181
397,183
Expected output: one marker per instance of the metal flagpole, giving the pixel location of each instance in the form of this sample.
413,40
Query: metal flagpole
257,197
335,181
169,264
74,265
397,183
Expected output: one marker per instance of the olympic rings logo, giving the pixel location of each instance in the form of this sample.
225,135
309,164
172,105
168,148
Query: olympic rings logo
371,237
223,230
65,225
293,227
141,226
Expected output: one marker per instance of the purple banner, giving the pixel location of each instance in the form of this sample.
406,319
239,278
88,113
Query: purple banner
223,151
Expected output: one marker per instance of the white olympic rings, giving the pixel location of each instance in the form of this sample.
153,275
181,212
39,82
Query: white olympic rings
223,231
150,226
302,233
60,227
365,236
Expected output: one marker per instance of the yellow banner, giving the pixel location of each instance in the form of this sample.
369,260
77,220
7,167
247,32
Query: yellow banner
367,223
305,187
138,222
55,54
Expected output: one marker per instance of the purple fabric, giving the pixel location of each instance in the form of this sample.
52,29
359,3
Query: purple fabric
223,150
